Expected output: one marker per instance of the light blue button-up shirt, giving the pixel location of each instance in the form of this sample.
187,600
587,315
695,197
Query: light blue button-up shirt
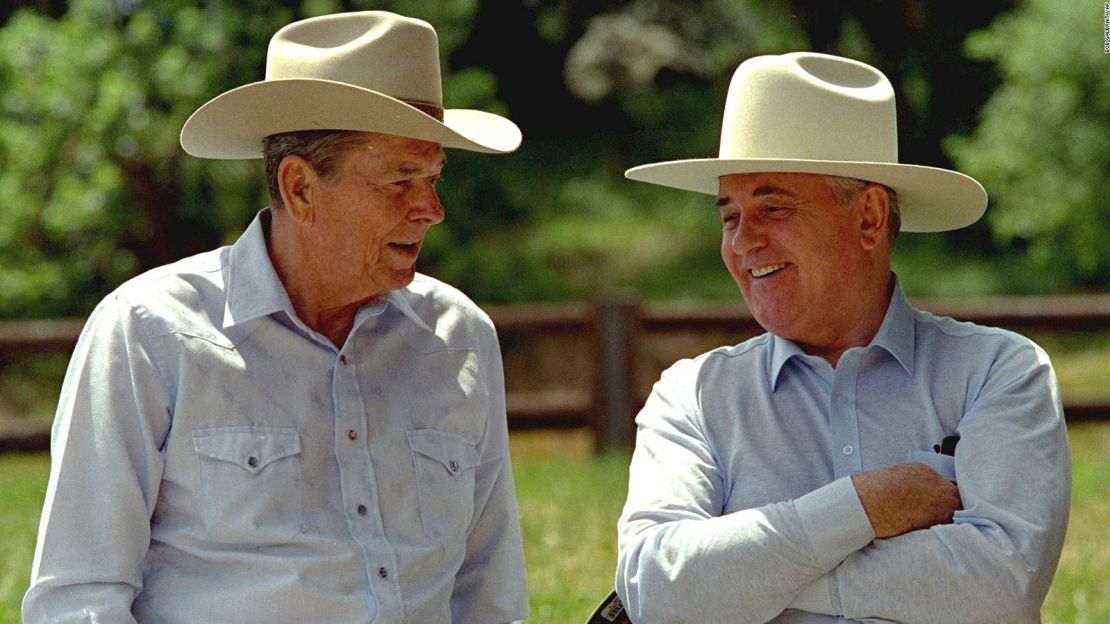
216,460
741,507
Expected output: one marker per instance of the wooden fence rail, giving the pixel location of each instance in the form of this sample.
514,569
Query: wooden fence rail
608,337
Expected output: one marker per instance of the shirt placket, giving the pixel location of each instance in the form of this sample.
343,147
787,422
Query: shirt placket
360,497
844,417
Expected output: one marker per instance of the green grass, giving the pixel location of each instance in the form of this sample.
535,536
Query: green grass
22,488
1079,593
570,500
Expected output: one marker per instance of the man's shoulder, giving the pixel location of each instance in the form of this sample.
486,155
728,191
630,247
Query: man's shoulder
428,294
947,332
174,278
445,309
974,350
174,291
750,353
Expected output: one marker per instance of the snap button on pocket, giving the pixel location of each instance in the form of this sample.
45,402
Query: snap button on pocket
453,465
250,448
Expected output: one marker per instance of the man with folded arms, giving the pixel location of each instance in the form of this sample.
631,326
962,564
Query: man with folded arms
298,427
863,460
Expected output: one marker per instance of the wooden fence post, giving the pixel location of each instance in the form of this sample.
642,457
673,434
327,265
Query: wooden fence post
617,321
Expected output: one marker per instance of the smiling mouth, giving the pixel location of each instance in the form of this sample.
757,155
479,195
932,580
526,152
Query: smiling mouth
767,270
406,247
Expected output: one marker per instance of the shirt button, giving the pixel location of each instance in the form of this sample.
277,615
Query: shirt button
382,572
847,449
352,435
252,461
361,509
343,360
454,466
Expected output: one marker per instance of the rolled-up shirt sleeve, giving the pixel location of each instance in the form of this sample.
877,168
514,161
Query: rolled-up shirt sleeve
678,555
106,467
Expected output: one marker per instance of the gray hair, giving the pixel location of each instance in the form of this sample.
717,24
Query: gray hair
847,189
323,149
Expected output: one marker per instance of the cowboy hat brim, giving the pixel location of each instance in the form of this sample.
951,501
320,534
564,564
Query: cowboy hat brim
930,199
232,125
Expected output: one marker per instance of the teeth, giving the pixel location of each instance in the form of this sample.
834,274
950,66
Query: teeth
767,270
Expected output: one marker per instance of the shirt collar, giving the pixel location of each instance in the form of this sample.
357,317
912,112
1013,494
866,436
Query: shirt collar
782,351
895,335
254,289
398,299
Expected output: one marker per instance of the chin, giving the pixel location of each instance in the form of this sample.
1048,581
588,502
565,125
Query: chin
402,278
777,324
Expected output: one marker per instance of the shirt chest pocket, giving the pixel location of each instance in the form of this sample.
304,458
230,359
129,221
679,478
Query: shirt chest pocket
250,481
444,465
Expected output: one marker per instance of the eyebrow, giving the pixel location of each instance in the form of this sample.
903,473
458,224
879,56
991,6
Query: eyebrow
760,191
408,169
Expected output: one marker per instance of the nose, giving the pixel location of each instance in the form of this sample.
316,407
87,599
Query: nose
424,205
747,236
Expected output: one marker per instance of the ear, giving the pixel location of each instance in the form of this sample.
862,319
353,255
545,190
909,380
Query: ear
299,184
874,211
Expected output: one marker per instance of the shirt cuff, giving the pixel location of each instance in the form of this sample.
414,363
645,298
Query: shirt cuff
817,597
834,521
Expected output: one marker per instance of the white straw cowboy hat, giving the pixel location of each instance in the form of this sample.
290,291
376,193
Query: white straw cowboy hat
813,113
372,71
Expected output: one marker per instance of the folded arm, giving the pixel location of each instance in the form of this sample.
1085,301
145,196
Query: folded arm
678,554
995,561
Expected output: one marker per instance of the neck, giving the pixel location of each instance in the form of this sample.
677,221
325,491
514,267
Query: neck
863,323
318,299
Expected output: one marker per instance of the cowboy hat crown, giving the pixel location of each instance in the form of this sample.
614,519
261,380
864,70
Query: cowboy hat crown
371,71
805,112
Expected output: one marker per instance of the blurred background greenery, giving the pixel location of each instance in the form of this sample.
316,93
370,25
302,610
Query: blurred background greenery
94,187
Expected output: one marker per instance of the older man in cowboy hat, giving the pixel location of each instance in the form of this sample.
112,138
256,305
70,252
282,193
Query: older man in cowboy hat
863,460
298,427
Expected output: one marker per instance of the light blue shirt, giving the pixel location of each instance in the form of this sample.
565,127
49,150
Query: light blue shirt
741,507
216,460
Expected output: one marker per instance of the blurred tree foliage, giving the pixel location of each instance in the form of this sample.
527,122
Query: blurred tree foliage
93,93
93,185
1043,146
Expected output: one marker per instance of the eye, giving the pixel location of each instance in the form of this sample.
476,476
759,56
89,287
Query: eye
395,186
729,221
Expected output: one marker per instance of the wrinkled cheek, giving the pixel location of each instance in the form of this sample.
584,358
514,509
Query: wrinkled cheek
732,263
370,250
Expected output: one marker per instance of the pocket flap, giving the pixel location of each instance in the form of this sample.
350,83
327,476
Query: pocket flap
454,452
945,465
251,448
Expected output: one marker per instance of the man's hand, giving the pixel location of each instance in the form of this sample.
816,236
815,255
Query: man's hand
906,497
